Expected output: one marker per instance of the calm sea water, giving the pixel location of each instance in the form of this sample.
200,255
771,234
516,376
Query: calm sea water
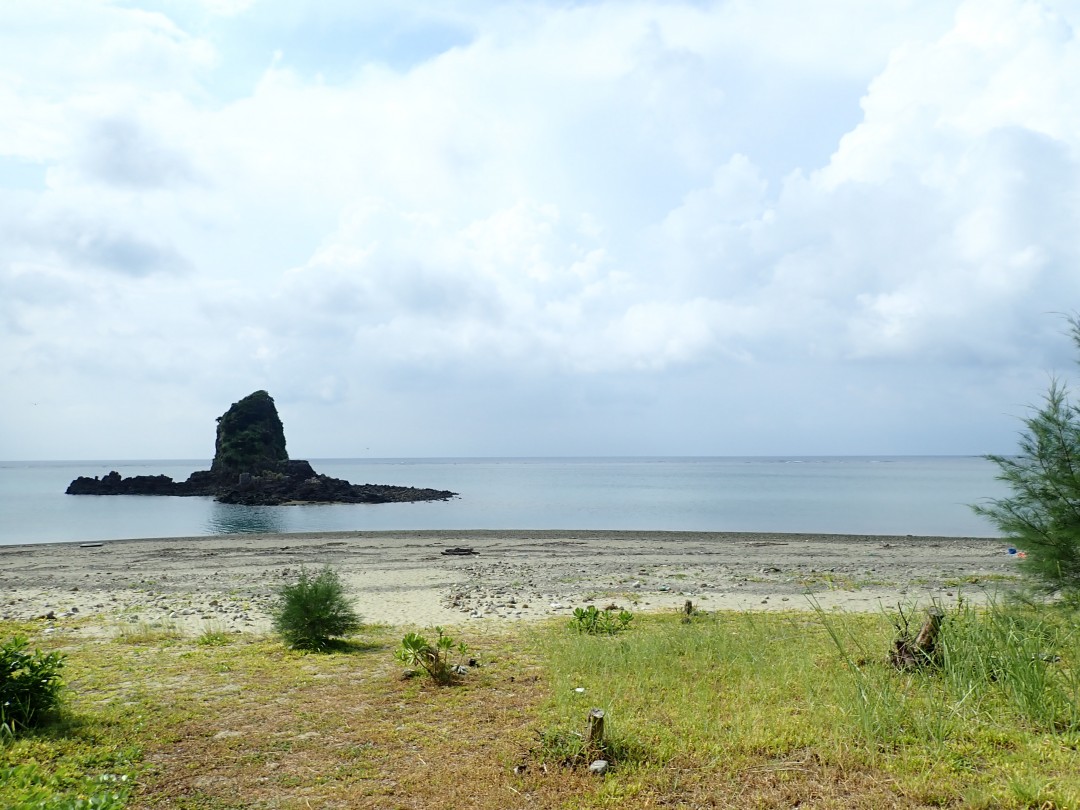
886,495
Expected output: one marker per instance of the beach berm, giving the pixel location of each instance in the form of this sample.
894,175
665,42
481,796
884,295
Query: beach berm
404,578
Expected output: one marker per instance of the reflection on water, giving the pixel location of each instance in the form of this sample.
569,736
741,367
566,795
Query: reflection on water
230,518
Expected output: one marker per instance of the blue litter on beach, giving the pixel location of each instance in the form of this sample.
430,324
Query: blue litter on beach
1012,550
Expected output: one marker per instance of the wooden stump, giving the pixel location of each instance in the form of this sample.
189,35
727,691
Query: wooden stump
926,641
908,654
594,734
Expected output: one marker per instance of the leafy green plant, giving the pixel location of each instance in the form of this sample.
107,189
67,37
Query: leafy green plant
314,610
1042,515
30,684
596,622
434,659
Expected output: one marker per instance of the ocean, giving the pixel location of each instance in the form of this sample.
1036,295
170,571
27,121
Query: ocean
890,495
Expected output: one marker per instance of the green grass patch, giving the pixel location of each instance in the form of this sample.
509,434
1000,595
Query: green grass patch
214,634
730,709
773,705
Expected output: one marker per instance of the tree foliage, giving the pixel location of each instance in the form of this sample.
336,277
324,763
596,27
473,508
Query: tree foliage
1042,514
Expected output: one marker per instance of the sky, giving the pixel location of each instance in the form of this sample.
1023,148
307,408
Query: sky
455,228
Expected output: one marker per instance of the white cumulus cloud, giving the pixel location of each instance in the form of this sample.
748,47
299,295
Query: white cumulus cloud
767,227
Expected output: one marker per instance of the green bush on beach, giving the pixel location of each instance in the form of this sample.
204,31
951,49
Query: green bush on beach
598,622
314,610
30,685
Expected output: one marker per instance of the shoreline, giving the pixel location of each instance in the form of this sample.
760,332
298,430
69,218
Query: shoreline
229,582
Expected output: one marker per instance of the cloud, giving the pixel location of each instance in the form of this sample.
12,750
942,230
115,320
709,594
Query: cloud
118,152
637,203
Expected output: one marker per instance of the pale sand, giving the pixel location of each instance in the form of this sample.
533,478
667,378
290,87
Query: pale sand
402,578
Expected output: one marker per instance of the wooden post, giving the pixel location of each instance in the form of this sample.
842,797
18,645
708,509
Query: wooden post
594,736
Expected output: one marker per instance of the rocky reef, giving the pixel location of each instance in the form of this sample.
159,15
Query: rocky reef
251,466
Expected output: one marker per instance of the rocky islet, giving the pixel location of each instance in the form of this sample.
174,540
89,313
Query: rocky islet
251,466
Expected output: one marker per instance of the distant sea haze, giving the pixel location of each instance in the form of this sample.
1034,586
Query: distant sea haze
878,495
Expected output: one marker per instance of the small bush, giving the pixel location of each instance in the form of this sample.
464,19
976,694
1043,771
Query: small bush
30,685
597,622
434,659
314,610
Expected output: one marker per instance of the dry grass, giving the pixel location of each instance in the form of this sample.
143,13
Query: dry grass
257,726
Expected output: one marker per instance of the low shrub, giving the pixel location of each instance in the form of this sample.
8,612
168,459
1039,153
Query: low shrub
30,685
434,659
314,610
598,622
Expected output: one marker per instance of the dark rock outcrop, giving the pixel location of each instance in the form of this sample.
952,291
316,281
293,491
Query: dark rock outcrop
250,438
251,466
113,484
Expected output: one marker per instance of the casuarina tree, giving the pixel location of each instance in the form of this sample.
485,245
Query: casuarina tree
314,610
1041,515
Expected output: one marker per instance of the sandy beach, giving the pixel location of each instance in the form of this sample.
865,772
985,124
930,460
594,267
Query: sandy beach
229,582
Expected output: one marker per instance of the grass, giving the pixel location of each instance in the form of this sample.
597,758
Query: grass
144,632
983,579
214,634
731,709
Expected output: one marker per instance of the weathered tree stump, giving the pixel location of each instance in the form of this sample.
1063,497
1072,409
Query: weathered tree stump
926,641
594,734
908,653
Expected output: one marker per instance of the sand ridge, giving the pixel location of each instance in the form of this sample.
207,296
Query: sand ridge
230,582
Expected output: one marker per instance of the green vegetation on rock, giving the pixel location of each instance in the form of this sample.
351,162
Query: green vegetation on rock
250,437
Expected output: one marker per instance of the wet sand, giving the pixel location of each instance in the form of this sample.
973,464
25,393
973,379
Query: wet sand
229,582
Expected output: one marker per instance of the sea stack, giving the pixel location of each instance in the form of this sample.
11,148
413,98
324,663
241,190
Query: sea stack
250,438
251,466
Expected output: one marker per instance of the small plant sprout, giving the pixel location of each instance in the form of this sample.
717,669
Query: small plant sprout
434,659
